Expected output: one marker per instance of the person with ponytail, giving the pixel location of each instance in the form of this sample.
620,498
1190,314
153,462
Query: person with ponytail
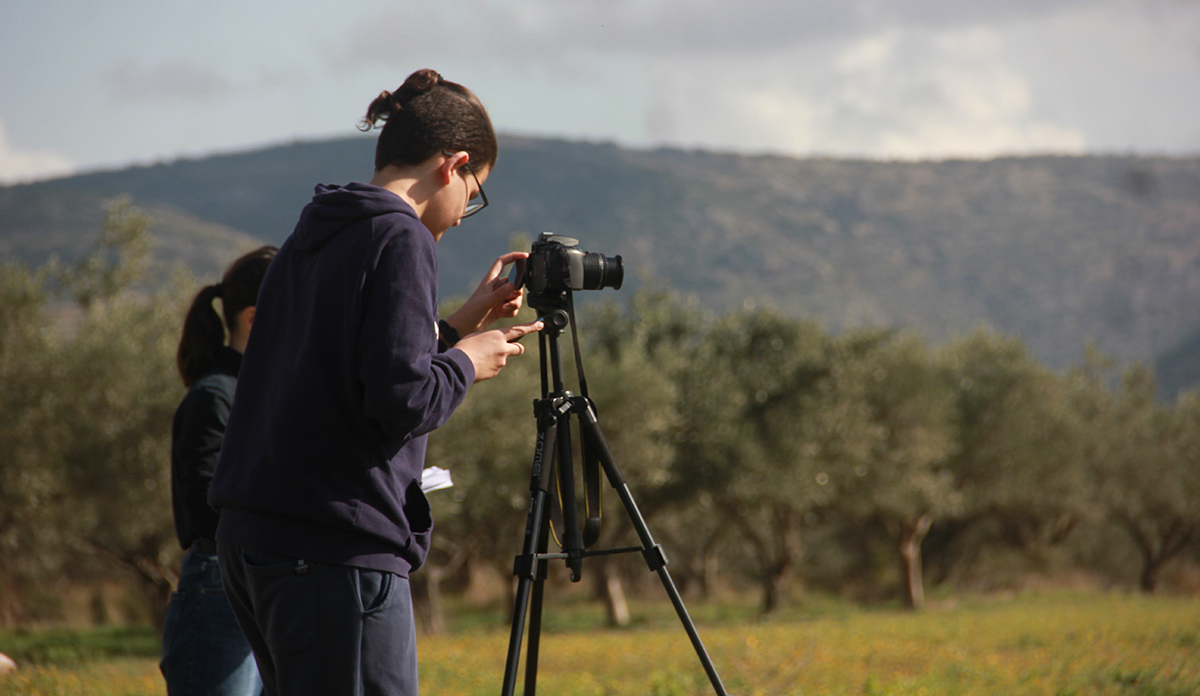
204,650
347,372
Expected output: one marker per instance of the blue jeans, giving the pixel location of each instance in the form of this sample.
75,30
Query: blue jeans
323,630
204,650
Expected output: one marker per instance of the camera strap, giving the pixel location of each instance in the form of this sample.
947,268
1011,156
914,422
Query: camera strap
593,492
575,342
593,500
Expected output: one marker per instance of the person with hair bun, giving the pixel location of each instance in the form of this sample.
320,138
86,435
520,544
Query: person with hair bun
347,372
204,651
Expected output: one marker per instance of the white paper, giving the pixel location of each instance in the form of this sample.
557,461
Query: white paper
433,479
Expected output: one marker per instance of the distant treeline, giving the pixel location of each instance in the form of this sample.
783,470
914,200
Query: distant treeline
764,451
1059,250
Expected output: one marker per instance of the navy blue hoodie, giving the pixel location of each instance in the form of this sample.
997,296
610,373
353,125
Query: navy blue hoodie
340,385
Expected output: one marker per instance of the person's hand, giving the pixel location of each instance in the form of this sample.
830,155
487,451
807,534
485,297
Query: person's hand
494,298
489,351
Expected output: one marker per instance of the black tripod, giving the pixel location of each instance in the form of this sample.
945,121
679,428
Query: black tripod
553,457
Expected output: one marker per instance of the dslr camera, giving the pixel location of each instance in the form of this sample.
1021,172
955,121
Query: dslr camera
556,264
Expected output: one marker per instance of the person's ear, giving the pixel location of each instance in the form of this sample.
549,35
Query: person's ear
451,165
240,334
246,319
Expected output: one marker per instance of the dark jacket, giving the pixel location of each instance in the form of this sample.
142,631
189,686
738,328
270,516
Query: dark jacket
196,436
340,385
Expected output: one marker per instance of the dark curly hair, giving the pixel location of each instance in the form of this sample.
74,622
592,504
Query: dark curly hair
426,116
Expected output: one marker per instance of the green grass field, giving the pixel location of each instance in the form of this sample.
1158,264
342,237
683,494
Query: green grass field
1052,644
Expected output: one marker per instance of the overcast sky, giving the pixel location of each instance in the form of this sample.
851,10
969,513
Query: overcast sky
87,85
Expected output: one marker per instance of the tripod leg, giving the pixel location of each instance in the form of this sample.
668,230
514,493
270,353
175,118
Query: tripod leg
525,580
535,615
655,557
527,568
565,481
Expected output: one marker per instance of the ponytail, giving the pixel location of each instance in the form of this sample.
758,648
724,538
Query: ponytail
203,333
202,338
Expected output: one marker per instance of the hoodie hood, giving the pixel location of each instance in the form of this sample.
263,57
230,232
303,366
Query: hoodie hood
334,208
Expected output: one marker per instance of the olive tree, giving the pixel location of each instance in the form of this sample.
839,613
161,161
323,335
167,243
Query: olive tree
1018,459
30,479
769,417
1146,471
119,389
906,484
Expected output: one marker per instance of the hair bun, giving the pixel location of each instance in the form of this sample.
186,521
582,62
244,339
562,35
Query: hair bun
417,83
388,104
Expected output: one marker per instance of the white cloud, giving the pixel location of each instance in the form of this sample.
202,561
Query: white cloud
972,103
874,78
19,167
895,94
936,78
871,53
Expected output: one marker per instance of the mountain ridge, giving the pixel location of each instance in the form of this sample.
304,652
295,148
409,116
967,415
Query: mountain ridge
1060,250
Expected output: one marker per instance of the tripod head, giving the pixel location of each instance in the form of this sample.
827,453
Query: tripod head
548,300
556,316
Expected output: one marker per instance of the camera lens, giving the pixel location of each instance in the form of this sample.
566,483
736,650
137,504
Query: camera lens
600,271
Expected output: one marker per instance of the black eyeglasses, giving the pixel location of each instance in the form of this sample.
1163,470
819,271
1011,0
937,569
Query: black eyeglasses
478,205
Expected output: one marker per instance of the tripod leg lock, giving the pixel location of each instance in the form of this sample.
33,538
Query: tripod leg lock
655,557
527,566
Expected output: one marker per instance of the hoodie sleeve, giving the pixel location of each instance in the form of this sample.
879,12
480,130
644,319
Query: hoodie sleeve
409,389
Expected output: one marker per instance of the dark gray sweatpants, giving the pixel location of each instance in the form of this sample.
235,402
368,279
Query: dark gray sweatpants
319,629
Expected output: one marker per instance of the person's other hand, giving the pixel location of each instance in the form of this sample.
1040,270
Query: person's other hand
489,351
494,298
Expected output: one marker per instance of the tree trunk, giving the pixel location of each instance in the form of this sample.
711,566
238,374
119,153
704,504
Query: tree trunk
912,533
1150,575
158,593
612,590
778,550
774,588
156,581
427,602
427,586
1158,548
710,565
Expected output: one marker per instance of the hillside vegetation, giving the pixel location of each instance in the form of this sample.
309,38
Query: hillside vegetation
767,452
1059,251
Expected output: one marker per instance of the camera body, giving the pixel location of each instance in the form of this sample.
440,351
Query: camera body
556,264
